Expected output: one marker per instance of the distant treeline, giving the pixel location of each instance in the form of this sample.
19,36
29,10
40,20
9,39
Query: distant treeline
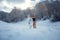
42,10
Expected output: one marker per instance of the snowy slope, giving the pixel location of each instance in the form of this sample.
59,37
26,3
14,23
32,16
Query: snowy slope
21,31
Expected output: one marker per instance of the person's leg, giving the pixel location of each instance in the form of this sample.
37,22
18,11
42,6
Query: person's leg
34,24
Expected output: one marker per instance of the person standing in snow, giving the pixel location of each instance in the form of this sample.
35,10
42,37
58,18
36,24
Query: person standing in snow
34,21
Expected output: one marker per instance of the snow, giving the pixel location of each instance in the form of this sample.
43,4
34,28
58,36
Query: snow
45,30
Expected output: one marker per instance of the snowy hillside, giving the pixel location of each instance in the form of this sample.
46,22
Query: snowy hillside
23,31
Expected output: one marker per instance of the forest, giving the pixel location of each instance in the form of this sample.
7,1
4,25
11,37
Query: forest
42,10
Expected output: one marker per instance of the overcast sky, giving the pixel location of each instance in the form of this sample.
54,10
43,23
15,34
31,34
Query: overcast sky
23,4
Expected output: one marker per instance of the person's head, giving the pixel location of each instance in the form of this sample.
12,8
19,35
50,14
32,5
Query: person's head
33,15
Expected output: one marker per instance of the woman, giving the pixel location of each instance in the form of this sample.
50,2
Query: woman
34,21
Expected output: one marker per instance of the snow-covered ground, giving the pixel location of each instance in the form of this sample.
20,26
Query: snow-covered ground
23,31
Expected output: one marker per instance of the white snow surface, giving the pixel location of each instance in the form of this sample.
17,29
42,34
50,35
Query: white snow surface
45,30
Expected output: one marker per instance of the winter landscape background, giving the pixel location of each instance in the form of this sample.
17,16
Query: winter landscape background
14,19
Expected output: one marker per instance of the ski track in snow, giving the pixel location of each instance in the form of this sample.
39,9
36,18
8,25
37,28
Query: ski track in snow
23,31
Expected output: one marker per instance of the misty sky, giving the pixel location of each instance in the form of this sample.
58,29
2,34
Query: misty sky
22,4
